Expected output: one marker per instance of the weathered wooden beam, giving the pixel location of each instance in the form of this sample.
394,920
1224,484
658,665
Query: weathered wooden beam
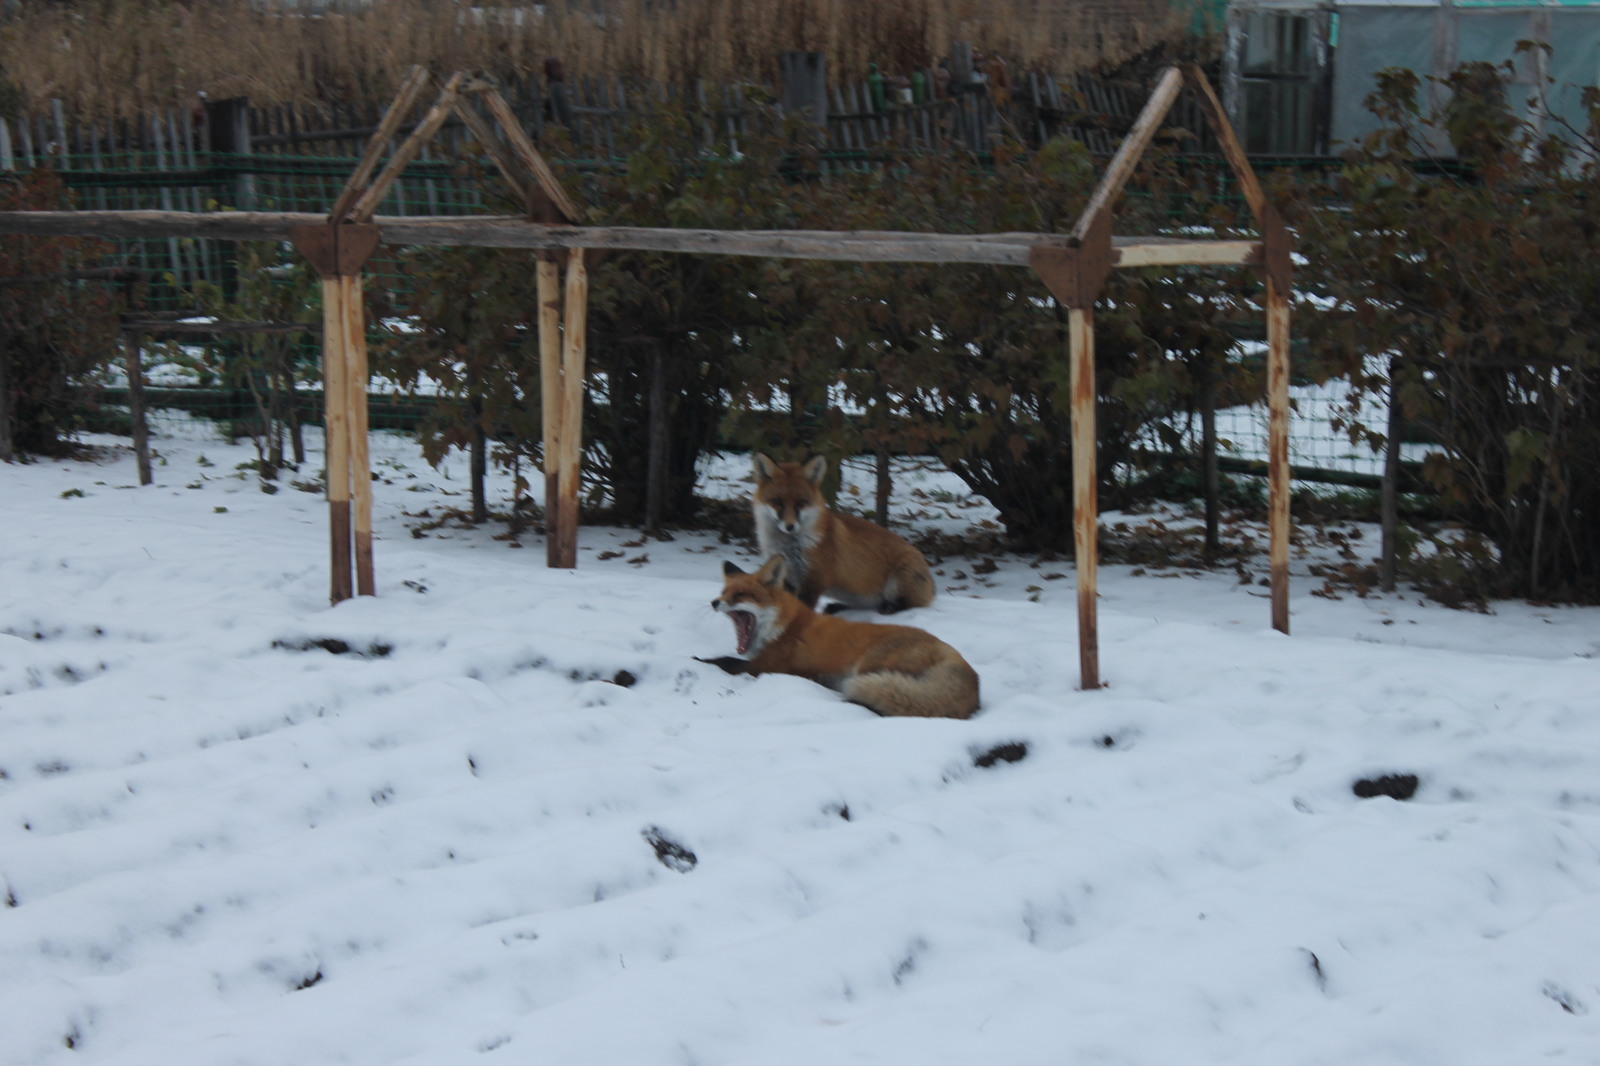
415,82
779,244
514,231
1227,139
560,206
367,203
498,154
1136,253
168,327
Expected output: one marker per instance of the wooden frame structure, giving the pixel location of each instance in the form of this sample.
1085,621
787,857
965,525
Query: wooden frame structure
1074,267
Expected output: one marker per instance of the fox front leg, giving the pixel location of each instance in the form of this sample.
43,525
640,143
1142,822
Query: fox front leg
728,664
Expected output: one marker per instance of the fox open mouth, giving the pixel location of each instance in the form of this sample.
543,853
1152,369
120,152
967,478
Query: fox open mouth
744,629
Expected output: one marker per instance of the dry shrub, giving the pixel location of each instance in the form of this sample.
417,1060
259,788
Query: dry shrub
120,58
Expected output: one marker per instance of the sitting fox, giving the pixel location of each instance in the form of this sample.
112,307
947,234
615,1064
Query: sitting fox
891,670
840,556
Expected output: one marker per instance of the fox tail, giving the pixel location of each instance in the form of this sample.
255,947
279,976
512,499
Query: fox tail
945,690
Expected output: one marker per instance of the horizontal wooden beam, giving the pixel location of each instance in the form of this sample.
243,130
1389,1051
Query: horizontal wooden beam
510,231
1143,253
167,327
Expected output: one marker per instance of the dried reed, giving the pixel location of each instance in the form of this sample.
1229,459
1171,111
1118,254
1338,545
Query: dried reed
108,59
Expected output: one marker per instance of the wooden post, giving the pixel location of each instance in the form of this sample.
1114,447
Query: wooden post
1208,457
574,343
1085,492
133,340
7,448
338,252
354,319
1390,505
659,441
336,433
549,278
1278,448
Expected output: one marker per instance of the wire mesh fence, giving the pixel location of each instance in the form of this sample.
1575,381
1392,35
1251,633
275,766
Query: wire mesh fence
230,156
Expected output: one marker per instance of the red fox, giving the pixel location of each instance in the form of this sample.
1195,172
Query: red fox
840,556
891,670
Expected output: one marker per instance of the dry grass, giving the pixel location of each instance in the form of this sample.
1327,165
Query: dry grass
119,58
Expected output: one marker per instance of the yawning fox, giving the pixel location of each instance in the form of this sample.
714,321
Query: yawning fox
891,670
840,556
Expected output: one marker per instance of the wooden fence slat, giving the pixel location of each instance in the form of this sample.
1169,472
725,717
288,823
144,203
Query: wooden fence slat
58,123
158,144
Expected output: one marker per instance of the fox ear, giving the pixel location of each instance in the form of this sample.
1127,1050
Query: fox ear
764,467
816,469
728,569
771,574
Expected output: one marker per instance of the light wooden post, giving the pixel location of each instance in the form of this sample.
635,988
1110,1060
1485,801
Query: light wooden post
574,343
1278,449
336,435
354,319
338,252
1085,493
549,292
1075,275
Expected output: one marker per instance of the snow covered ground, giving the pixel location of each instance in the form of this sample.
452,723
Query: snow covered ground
499,813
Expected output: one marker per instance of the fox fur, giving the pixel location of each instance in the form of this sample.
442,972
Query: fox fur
848,559
892,670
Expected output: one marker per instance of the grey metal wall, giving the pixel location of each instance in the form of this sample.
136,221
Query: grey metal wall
1428,38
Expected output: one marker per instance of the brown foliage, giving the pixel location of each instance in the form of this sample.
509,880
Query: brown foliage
1468,293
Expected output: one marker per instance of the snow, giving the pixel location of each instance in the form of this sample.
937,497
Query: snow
221,842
